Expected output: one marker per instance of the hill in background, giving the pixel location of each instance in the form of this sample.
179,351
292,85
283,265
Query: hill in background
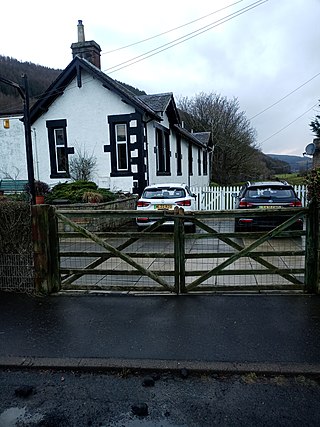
39,79
296,163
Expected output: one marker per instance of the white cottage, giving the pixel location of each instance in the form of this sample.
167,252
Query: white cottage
136,140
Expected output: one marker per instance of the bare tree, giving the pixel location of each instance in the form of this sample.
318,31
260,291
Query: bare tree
236,156
14,175
82,165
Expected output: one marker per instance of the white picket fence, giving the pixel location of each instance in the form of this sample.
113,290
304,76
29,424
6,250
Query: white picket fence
220,198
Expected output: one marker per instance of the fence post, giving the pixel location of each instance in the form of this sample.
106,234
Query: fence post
312,261
46,249
179,252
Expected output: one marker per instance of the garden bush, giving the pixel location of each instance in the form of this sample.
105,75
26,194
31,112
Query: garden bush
74,192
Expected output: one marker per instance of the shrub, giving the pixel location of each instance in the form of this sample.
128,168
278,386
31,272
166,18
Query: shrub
313,185
15,230
92,197
41,188
74,192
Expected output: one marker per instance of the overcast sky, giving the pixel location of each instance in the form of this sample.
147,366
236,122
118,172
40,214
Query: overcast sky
260,56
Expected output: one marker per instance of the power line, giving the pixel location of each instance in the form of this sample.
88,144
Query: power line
284,97
171,30
184,38
176,41
289,124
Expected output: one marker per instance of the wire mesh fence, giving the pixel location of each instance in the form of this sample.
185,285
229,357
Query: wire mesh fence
16,273
212,259
16,249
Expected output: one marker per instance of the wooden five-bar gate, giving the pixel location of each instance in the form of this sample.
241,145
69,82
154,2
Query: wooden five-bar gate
85,250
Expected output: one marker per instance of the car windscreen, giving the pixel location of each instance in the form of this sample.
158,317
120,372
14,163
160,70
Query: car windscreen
271,192
164,193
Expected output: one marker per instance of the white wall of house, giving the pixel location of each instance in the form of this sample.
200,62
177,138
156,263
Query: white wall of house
86,110
194,180
12,148
87,128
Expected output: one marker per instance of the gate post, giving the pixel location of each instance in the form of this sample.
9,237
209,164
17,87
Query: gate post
45,249
312,260
179,252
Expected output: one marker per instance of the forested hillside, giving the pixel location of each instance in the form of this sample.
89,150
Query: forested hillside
297,163
39,79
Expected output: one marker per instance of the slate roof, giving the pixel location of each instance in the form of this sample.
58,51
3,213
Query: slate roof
158,102
203,137
196,138
70,72
149,104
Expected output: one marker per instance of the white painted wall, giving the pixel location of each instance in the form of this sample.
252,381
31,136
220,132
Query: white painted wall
86,110
12,149
194,180
87,128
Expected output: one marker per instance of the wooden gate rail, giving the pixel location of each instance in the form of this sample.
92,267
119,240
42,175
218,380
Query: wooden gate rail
70,278
287,274
180,257
116,252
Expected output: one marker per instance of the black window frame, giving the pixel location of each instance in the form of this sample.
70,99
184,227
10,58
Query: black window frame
199,161
114,121
163,153
52,127
120,159
179,155
190,160
205,162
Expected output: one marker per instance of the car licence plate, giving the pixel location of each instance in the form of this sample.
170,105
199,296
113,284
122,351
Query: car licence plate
269,207
163,207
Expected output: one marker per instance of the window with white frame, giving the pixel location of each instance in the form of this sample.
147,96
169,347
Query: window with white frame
58,148
121,146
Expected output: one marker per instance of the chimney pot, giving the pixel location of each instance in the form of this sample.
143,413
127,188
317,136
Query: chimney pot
81,37
89,50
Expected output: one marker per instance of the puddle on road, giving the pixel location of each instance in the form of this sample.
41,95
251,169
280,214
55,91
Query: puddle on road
11,416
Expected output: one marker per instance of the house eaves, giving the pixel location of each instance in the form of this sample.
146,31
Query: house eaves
196,138
73,70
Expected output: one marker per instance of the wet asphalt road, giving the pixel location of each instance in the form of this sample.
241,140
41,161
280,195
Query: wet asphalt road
264,330
74,399
267,331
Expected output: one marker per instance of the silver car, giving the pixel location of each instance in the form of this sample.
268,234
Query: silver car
165,197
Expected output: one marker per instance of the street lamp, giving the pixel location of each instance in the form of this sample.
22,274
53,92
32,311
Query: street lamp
24,93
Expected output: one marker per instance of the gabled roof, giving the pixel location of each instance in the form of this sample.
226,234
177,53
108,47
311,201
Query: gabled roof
203,137
74,70
158,102
162,102
200,138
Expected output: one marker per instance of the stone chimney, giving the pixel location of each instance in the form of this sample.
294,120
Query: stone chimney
88,50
